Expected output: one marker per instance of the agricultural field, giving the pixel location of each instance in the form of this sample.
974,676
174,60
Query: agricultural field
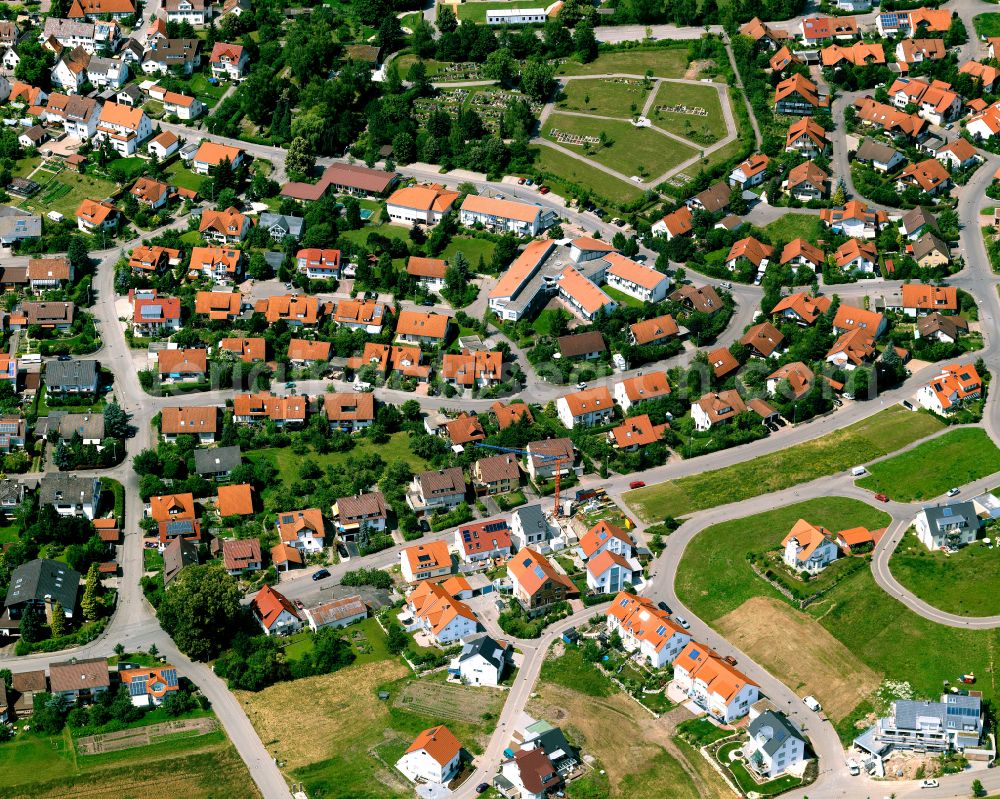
627,149
871,628
646,757
916,474
196,767
878,435
691,111
961,582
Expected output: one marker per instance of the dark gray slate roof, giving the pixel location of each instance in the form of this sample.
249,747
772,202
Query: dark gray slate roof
57,487
956,712
777,727
485,646
70,373
220,459
532,518
38,579
290,225
963,513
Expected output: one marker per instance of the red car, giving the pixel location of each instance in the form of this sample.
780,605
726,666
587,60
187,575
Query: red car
881,497
636,484
544,190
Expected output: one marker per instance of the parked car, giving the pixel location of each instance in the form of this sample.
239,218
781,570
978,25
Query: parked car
424,526
682,622
881,497
664,607
529,182
321,574
520,182
299,605
908,405
484,787
544,189
65,358
812,704
929,784
581,385
636,484
952,492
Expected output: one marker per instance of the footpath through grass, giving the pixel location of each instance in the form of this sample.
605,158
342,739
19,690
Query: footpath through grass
961,583
861,442
929,470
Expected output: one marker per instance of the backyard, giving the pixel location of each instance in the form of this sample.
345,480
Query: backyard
177,174
64,191
961,582
879,434
987,25
627,149
968,453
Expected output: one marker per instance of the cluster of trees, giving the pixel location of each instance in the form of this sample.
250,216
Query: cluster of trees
514,621
374,577
704,12
201,610
256,661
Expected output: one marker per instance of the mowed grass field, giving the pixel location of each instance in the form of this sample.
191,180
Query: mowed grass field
961,583
716,583
635,751
796,226
203,767
878,435
475,10
343,742
701,129
987,24
600,183
929,470
665,62
610,97
633,151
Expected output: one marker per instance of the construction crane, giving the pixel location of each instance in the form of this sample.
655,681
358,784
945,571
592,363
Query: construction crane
555,460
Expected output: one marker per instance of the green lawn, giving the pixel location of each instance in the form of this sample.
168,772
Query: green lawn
202,767
544,320
612,97
863,441
570,670
65,192
918,474
179,175
621,297
747,783
665,62
360,236
471,248
961,583
44,406
404,62
987,24
475,11
700,129
8,533
553,162
200,87
714,576
632,151
287,462
795,226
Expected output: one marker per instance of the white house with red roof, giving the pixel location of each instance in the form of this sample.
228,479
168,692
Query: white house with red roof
646,629
955,385
228,61
608,572
276,615
318,264
714,684
751,172
439,615
483,540
636,280
434,756
604,537
808,548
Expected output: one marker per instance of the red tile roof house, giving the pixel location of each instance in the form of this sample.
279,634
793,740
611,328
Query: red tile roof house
190,364
224,227
148,687
587,408
609,573
425,561
276,615
349,412
49,273
156,317
240,556
483,540
303,529
433,757
92,215
192,420
285,558
532,773
439,489
211,155
646,629
228,61
317,264
536,583
604,537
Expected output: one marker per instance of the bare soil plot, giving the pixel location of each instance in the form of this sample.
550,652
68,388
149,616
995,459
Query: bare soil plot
449,701
801,653
141,736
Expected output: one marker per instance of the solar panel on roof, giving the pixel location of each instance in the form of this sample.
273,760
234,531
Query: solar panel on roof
694,654
179,527
539,573
137,687
151,311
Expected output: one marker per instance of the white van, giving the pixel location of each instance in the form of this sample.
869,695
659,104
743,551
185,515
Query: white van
812,704
858,471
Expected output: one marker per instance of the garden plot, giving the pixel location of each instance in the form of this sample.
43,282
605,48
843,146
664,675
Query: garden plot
448,701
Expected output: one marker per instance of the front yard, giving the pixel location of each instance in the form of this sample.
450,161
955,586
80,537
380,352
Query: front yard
747,783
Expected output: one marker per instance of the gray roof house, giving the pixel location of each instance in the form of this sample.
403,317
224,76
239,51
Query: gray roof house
281,226
218,463
949,526
913,223
956,722
178,554
40,583
16,225
71,377
70,494
11,494
774,744
529,527
482,661
881,156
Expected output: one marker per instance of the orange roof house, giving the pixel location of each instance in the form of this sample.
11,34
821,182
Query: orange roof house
294,309
473,368
850,317
425,560
506,415
218,305
220,263
247,349
535,581
465,429
956,384
182,362
653,331
92,214
301,350
419,327
918,298
635,432
851,349
765,339
858,54
799,252
236,500
170,507
802,307
748,249
274,612
225,226
722,362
